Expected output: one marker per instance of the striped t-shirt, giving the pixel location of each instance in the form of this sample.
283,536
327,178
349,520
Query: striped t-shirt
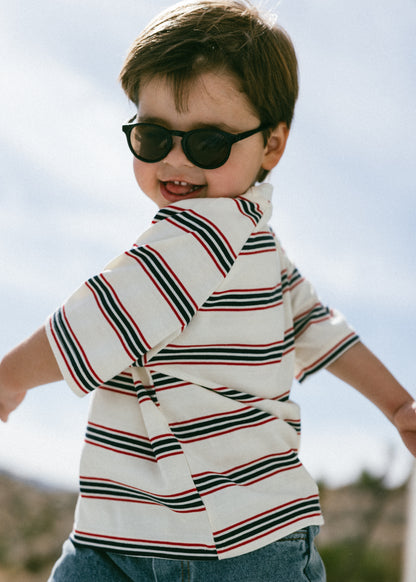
190,342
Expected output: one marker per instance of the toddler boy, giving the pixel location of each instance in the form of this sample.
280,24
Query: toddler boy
190,340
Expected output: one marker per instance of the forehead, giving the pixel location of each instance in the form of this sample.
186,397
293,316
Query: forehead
204,98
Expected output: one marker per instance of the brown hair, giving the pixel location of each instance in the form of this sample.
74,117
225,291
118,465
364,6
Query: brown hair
197,36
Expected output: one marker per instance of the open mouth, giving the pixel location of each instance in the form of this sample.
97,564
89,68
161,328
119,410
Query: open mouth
180,188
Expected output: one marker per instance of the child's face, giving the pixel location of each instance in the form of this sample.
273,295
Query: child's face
214,101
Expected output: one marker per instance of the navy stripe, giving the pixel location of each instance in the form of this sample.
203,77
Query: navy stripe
209,427
166,281
235,395
72,352
122,383
238,355
137,445
181,502
260,525
138,548
259,241
250,209
214,239
289,280
112,309
317,313
259,469
254,298
333,355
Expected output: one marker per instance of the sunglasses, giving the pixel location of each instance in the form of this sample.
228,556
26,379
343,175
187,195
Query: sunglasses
206,148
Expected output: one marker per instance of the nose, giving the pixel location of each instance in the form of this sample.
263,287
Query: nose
176,156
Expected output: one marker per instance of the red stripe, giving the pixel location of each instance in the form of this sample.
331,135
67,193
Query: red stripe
247,291
160,289
81,349
277,343
243,465
243,308
222,432
223,362
130,487
290,286
268,512
124,392
313,322
304,313
326,355
206,220
135,455
243,212
251,481
174,276
142,502
242,398
219,232
268,532
261,233
132,434
202,418
129,317
257,252
110,323
142,541
67,364
201,242
287,393
172,386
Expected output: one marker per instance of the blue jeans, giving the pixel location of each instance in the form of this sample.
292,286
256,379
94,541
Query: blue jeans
291,559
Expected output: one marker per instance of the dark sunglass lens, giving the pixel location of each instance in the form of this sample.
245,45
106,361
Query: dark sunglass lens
150,143
207,148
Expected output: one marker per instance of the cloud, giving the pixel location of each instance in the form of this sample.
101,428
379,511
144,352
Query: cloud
65,130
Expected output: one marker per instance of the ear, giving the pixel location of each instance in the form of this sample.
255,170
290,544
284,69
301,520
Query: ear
275,146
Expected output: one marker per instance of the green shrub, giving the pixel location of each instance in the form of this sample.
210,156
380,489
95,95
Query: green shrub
350,562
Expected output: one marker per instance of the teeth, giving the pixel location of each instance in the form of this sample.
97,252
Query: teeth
183,184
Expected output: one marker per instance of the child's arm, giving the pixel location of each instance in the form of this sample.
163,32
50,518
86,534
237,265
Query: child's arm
30,364
363,370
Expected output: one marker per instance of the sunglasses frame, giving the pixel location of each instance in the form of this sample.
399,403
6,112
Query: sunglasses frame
230,138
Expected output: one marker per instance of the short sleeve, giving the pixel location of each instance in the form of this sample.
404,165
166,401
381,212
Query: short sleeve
149,294
321,334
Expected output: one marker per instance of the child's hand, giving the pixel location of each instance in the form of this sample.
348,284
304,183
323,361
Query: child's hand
405,421
11,392
9,401
29,364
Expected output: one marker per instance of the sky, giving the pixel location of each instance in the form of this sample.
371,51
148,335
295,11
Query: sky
344,203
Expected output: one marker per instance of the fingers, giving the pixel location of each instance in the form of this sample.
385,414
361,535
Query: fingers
10,403
405,422
405,417
3,415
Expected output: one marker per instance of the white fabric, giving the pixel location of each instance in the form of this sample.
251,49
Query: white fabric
190,342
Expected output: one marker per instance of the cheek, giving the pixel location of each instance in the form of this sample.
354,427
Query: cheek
240,172
137,170
144,174
247,159
229,181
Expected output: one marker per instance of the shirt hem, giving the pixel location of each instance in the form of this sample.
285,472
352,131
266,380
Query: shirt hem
178,551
